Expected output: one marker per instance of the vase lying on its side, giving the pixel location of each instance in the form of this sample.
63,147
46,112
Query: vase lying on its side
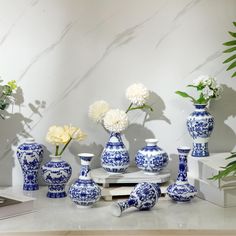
84,191
181,190
56,174
115,157
30,156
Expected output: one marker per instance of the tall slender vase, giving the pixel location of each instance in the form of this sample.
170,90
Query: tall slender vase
200,126
84,191
115,157
30,155
56,174
181,190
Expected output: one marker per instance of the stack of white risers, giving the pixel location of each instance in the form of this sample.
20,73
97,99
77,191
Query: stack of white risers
220,192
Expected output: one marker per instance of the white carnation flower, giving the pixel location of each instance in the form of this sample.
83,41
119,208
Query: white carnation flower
137,94
98,110
116,120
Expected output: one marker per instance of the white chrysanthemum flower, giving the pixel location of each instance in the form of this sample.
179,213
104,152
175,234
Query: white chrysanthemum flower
116,120
203,79
137,94
57,135
98,110
207,92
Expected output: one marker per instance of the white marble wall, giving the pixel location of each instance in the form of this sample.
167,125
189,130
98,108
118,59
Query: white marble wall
65,54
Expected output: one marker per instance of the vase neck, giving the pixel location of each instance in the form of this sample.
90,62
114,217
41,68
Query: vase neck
115,137
200,106
55,158
183,168
85,167
151,142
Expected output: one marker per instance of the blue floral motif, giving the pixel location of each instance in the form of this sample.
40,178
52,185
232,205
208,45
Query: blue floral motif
115,157
181,190
200,125
151,159
30,155
56,174
84,191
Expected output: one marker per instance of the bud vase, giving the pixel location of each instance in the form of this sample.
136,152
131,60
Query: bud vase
200,126
143,197
181,190
85,192
115,157
30,156
56,173
151,159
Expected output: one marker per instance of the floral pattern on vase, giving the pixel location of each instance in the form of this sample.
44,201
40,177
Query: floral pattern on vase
115,157
56,174
200,125
84,192
151,159
143,197
181,190
30,156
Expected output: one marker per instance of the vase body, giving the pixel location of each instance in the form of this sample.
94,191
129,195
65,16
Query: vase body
181,190
115,157
200,125
56,174
30,156
85,192
143,197
151,159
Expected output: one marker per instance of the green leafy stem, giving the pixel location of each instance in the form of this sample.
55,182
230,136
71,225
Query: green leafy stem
143,107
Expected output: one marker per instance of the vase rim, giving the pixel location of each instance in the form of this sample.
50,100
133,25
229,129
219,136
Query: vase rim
86,154
200,104
184,148
151,140
55,156
29,140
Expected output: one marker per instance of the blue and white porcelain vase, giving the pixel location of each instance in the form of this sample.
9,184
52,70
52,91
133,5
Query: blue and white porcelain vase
84,192
181,190
30,156
115,157
200,126
151,159
56,173
143,197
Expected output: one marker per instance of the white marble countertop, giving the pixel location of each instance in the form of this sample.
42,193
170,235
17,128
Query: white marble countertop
62,214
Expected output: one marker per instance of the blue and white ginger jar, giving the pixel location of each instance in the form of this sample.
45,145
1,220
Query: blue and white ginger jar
84,192
56,174
181,190
151,159
200,126
30,156
143,197
115,157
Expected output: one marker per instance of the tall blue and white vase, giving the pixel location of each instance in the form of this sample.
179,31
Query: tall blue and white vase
200,126
56,173
151,159
143,197
84,192
181,190
30,156
115,157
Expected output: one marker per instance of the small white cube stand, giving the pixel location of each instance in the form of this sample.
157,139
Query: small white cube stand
113,185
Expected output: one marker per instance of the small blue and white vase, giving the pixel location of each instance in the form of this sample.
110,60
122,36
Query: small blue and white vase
143,197
181,190
30,156
56,173
200,126
84,192
115,157
151,159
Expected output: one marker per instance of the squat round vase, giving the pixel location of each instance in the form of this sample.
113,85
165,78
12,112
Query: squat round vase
56,173
181,190
84,192
143,197
151,159
30,156
200,126
115,157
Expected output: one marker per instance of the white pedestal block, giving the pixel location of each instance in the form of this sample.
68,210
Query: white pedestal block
224,197
206,167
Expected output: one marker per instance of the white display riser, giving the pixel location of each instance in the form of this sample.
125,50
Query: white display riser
204,168
225,197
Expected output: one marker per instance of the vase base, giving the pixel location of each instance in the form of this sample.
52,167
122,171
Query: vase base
83,207
56,194
194,154
32,187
